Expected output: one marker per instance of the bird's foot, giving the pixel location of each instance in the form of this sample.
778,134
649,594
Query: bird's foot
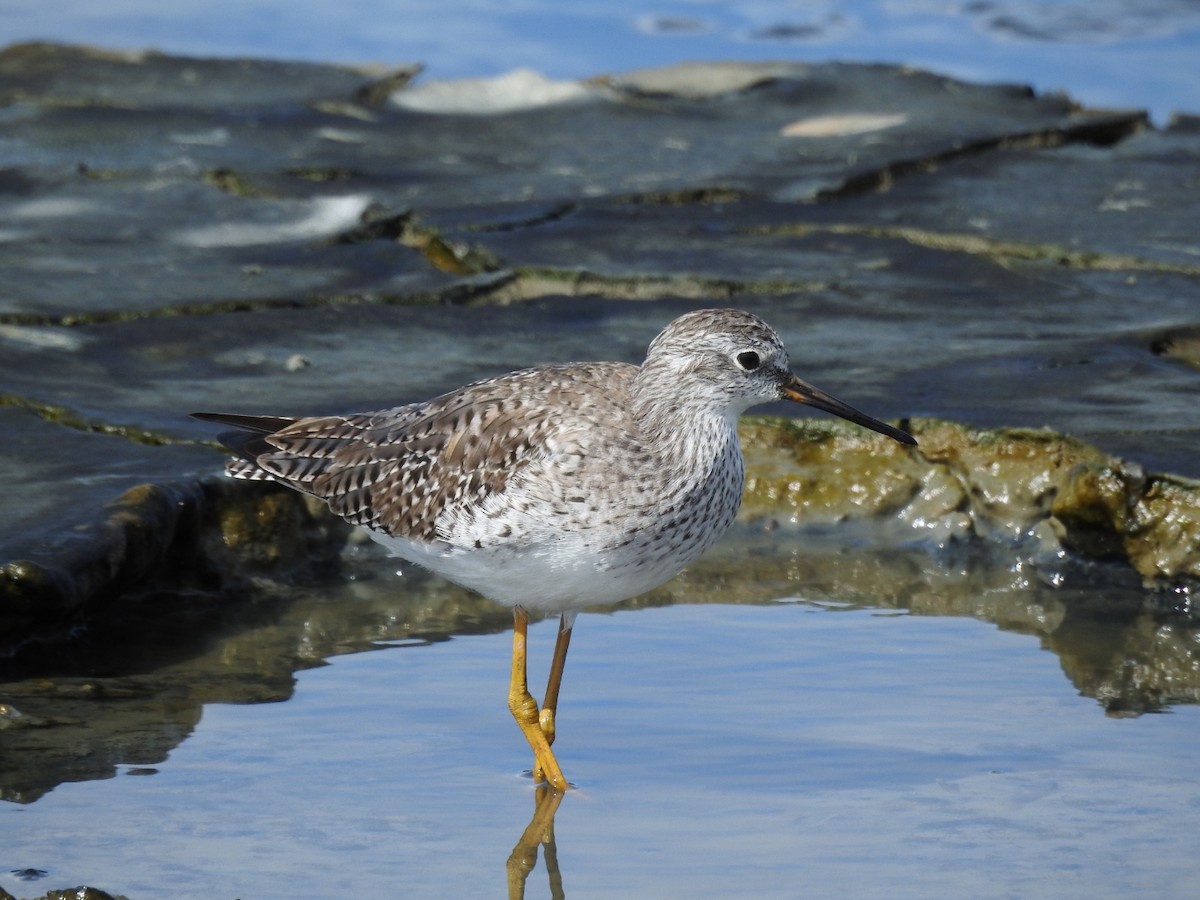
530,719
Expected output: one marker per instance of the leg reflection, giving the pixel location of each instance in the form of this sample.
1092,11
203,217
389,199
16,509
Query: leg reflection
539,831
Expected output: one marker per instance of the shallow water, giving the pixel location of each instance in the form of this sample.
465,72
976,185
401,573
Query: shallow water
773,751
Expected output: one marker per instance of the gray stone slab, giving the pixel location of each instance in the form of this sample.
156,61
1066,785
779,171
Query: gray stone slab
82,76
115,199
1120,205
59,477
794,129
150,373
78,246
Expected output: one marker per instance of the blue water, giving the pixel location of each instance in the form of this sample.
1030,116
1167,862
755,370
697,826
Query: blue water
819,753
1127,53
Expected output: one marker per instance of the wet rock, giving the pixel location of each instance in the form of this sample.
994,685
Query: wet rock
268,530
1008,485
91,76
1124,207
378,90
1164,529
82,892
192,544
1182,344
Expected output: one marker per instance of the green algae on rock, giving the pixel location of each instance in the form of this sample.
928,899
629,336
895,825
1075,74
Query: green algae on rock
961,483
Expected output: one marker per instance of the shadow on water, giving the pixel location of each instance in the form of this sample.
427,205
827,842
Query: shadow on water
130,691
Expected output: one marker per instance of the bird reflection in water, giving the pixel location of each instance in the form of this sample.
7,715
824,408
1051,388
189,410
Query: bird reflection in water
540,831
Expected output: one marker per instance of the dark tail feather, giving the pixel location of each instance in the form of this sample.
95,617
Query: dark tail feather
259,424
247,442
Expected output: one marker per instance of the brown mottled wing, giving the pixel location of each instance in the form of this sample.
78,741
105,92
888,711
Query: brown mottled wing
397,470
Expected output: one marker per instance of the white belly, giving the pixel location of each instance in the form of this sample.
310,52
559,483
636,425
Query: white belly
550,578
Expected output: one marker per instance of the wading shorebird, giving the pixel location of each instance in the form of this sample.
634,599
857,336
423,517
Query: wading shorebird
550,488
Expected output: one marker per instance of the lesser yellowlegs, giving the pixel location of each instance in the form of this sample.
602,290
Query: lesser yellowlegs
550,488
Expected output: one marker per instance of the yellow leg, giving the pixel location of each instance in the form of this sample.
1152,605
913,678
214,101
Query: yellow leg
525,709
550,703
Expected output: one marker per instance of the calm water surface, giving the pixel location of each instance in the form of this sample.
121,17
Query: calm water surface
787,750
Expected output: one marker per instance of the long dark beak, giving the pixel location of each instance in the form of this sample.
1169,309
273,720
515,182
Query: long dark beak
802,392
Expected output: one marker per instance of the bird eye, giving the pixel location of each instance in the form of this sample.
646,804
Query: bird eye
748,360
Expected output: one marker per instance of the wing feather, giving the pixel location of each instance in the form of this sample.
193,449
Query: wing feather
398,470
